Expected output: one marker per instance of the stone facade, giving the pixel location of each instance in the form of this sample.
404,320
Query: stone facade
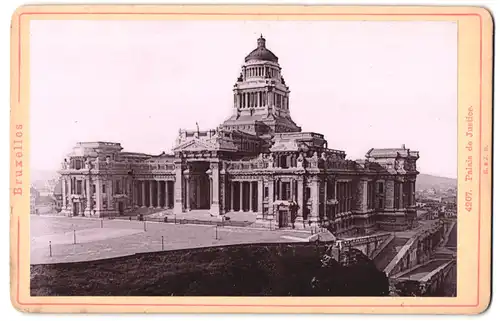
258,160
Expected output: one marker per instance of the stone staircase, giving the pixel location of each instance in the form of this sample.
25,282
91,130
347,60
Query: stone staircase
146,211
390,251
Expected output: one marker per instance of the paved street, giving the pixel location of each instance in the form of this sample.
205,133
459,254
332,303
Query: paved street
122,237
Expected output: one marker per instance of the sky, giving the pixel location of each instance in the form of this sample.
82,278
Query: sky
362,84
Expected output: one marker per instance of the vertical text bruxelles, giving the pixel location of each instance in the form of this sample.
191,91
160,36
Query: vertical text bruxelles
18,154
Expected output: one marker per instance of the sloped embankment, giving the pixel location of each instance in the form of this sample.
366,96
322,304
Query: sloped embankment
239,270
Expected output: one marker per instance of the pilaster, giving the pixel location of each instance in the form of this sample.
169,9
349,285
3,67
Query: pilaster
260,196
88,202
250,202
271,198
215,207
314,201
178,187
389,194
64,193
300,198
241,196
98,197
362,197
188,191
158,194
150,182
109,194
167,196
143,193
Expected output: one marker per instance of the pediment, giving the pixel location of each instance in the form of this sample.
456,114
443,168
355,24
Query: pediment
196,145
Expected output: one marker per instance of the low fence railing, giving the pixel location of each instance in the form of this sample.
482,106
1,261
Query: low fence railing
176,220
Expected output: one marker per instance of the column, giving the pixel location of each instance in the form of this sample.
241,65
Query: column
134,193
401,195
315,201
231,207
143,193
156,190
412,194
260,196
241,196
178,187
126,191
98,197
167,200
150,194
325,199
300,198
158,193
223,192
64,192
109,194
389,194
270,188
188,192
215,207
210,196
250,207
362,197
88,205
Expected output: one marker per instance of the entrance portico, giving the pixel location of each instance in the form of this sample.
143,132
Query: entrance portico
198,186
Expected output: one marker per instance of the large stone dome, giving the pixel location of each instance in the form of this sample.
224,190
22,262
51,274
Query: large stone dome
261,52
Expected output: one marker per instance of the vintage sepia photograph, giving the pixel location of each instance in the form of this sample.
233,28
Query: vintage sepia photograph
243,158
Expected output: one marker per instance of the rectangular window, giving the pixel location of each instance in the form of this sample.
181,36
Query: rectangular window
266,191
104,188
93,188
380,187
79,188
78,164
308,193
287,192
329,190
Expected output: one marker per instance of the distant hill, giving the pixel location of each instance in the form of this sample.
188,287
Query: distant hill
39,177
425,181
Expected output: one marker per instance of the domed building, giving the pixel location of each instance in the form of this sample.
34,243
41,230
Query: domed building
258,161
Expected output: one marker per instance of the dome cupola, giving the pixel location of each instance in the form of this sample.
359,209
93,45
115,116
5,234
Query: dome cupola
261,52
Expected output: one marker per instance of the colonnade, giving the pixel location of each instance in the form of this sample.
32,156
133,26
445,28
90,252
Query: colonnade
153,193
403,195
244,196
260,98
261,71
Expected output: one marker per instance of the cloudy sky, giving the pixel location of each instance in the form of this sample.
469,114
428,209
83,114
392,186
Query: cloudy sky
361,84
